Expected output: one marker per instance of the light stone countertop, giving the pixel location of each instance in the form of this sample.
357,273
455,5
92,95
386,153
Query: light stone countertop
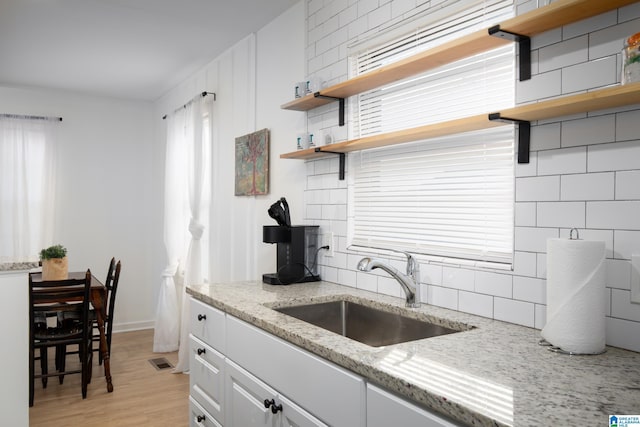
494,374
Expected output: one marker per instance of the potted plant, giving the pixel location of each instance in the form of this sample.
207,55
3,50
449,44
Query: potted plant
54,263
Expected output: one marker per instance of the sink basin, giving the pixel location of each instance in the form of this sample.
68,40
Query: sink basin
365,324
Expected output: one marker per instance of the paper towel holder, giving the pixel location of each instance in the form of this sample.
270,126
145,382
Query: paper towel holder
571,234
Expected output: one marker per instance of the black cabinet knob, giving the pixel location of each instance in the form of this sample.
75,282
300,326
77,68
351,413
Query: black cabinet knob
269,402
275,408
201,351
202,317
200,418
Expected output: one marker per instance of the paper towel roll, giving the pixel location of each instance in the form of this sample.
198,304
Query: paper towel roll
576,299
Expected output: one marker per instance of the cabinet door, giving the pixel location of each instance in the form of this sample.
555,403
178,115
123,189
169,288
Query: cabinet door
199,417
244,399
294,416
206,379
385,409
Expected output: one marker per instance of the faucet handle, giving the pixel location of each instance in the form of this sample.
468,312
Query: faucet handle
413,268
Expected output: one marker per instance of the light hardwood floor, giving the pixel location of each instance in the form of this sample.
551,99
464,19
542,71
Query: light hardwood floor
142,395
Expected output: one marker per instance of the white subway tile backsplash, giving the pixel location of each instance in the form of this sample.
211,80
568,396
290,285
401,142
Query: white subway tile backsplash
615,156
589,25
366,6
314,212
525,214
481,305
545,85
615,215
588,75
528,169
619,274
519,312
622,307
442,297
458,278
530,239
389,286
530,289
431,274
524,263
541,267
380,16
627,185
494,284
623,333
605,236
592,186
563,54
627,125
609,41
365,281
626,243
540,312
532,189
329,274
400,7
562,161
591,130
561,214
629,12
545,137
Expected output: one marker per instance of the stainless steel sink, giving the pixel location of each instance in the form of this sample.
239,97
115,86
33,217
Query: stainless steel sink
365,324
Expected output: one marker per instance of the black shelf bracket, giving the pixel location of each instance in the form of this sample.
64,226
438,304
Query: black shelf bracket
342,160
524,49
524,135
340,106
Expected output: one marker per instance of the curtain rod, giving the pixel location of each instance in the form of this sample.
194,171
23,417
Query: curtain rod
203,94
25,117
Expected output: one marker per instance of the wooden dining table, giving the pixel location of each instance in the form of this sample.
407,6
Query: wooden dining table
99,303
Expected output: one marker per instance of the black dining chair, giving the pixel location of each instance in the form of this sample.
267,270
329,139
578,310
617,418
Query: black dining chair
111,283
113,277
70,297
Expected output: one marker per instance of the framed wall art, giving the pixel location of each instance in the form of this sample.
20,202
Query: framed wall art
252,164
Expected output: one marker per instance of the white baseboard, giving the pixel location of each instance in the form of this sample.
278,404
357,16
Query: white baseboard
133,326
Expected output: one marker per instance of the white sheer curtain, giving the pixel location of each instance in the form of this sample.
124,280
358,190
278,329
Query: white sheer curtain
27,186
187,199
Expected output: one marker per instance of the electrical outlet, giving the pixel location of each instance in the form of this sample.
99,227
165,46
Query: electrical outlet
635,278
327,240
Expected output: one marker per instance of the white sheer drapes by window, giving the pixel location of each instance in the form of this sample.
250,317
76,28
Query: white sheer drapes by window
27,187
187,199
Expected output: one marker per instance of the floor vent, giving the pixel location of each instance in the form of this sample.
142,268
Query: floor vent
160,363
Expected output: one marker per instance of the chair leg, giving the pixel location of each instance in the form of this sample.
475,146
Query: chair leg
61,351
43,366
82,349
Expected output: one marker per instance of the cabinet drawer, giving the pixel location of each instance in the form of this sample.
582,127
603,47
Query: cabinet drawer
198,416
208,324
325,390
206,379
385,409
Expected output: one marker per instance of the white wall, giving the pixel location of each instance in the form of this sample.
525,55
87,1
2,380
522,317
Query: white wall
251,80
584,170
103,188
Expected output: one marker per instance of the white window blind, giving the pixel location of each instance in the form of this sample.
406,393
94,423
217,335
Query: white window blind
452,196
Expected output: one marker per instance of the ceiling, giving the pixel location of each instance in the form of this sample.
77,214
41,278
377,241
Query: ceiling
136,49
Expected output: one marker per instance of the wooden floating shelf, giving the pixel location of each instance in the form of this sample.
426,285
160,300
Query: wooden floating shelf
611,97
557,14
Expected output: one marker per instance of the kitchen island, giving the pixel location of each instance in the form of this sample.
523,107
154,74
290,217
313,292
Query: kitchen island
492,374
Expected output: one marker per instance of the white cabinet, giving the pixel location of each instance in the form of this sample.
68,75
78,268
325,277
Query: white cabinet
206,378
14,354
385,409
199,417
252,403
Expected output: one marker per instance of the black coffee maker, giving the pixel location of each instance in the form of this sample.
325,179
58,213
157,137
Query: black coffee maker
297,248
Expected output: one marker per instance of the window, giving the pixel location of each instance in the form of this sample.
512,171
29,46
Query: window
27,178
449,197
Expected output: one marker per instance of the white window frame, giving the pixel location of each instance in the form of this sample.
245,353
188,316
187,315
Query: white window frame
365,234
